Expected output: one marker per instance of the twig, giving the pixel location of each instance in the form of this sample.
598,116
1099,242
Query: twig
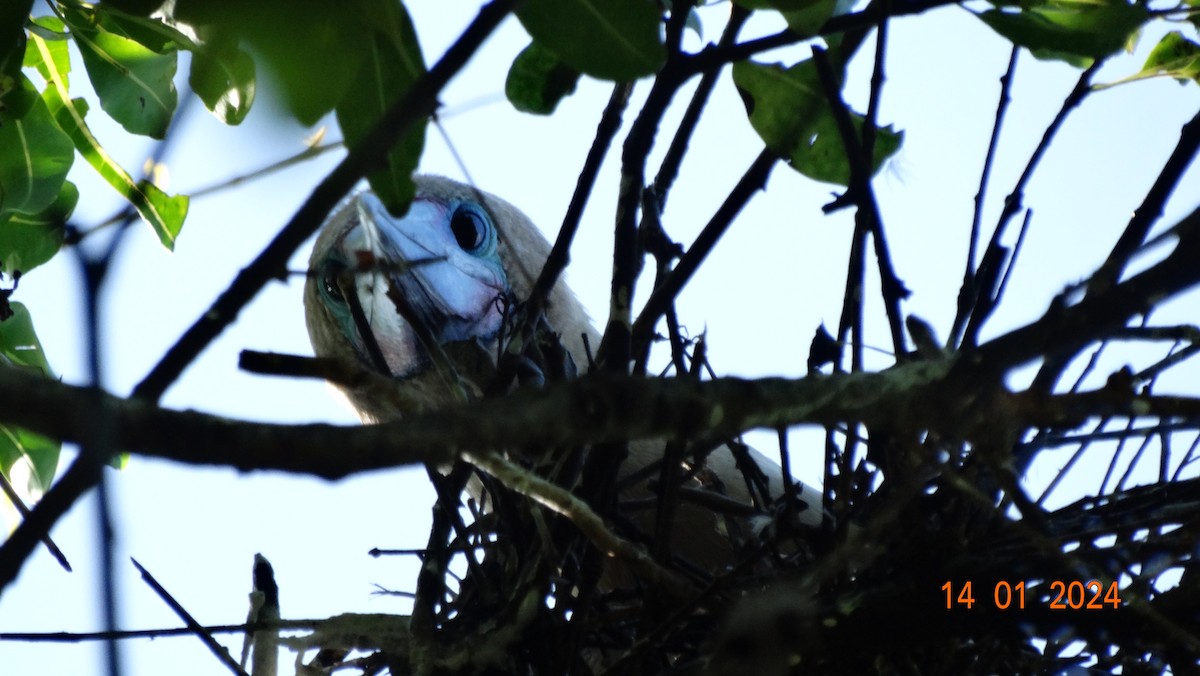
1014,201
1135,231
556,262
751,182
308,153
80,637
669,169
23,509
877,79
194,626
589,523
893,290
1148,213
844,23
968,293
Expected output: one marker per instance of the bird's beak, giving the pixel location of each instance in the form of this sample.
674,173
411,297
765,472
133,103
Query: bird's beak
411,270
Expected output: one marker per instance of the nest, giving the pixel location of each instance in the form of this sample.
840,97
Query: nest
930,557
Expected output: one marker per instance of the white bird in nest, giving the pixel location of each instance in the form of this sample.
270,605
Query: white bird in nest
381,287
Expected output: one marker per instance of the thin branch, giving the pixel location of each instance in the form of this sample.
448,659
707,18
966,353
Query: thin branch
81,637
673,159
15,498
194,626
1064,329
1151,208
868,18
751,182
877,79
1014,202
556,262
969,292
309,152
564,502
863,195
1136,230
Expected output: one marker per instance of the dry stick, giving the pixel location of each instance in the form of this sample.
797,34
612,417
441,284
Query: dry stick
1013,203
863,194
968,293
308,153
1167,362
668,171
852,318
193,626
23,509
1116,435
616,346
751,182
843,23
564,502
1151,208
990,282
877,79
1135,231
270,263
673,159
71,637
1064,329
556,262
1188,458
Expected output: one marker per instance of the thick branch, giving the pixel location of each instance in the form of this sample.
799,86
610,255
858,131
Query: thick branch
595,409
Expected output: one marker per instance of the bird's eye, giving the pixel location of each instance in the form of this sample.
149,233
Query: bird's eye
330,272
471,228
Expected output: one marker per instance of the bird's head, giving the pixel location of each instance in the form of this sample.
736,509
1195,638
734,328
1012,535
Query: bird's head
381,288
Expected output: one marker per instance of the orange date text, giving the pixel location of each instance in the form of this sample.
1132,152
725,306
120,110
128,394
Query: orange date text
1064,595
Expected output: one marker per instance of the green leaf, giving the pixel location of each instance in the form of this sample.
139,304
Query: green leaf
809,19
607,39
537,80
393,63
223,77
28,240
19,346
1075,31
40,452
788,109
35,155
1176,56
825,157
153,34
134,83
50,56
164,213
313,49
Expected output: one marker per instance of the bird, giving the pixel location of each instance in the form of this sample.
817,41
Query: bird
382,288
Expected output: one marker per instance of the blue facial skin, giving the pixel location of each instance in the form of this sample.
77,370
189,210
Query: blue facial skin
443,256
